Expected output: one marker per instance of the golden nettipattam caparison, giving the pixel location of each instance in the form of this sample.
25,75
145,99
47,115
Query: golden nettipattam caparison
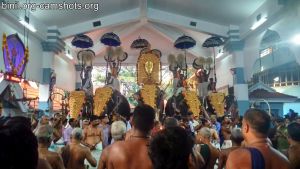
148,93
101,98
193,102
76,101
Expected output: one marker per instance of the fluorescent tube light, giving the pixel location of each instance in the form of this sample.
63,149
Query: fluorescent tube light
1,77
296,39
219,55
69,56
28,26
258,23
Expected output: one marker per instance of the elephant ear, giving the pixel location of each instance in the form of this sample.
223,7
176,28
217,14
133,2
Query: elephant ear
171,59
124,107
181,62
172,62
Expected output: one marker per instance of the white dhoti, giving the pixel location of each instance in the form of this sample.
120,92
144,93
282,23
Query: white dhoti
116,83
226,144
96,154
202,89
55,147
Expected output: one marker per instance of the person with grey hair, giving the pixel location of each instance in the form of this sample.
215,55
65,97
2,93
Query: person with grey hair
118,130
236,139
44,120
74,154
44,136
209,153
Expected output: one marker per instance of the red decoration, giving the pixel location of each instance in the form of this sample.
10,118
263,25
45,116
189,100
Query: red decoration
12,78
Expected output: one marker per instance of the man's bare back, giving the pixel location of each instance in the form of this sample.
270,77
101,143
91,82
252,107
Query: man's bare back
273,158
104,157
78,154
294,156
224,155
54,159
130,154
43,164
214,155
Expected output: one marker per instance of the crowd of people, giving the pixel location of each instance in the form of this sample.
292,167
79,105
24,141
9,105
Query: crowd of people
254,141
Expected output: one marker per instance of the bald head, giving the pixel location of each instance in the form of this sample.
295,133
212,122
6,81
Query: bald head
76,134
44,134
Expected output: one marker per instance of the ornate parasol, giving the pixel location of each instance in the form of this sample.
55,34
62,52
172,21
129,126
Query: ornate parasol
139,43
84,56
213,42
82,41
110,39
184,42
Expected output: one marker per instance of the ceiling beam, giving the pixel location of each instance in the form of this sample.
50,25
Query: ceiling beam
172,34
172,19
12,18
273,10
143,5
106,21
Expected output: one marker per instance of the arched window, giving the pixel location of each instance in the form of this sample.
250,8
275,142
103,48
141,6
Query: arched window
276,65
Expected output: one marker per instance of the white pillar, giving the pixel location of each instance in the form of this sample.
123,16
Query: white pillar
235,47
52,46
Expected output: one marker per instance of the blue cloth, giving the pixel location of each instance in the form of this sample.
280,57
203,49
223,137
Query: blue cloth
218,126
128,126
191,126
105,138
257,159
67,134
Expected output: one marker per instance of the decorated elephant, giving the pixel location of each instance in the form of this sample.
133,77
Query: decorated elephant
111,102
149,77
153,96
214,103
231,106
183,102
105,101
176,105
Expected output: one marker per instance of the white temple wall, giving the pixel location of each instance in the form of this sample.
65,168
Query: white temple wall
65,73
224,76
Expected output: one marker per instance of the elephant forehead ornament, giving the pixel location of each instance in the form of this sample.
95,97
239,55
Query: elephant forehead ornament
149,67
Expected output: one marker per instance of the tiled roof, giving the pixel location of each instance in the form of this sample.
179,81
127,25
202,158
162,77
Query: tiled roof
263,94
